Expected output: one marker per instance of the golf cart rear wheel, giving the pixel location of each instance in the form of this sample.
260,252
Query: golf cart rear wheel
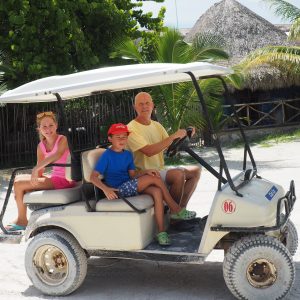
55,263
290,237
258,267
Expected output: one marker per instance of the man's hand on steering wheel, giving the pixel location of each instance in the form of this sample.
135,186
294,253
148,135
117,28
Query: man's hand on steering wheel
181,136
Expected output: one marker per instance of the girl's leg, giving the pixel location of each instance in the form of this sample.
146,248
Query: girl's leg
148,180
23,185
156,194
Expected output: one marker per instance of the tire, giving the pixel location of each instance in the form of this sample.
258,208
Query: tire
290,237
258,267
55,263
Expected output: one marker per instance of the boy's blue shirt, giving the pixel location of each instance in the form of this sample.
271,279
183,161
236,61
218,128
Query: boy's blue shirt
114,166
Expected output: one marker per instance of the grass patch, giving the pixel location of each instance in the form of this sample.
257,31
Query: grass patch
277,138
267,140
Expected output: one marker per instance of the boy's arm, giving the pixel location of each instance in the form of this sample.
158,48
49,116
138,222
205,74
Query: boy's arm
108,191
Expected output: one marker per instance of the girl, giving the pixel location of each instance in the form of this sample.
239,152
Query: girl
53,148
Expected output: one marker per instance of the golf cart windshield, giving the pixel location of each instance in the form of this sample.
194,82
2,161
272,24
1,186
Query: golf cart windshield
119,78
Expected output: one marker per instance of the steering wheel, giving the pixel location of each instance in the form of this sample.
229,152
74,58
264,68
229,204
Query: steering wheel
177,143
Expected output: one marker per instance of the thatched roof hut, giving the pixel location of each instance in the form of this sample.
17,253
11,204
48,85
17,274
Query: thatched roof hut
243,31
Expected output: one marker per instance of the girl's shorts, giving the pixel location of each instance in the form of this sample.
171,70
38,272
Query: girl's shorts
128,188
61,183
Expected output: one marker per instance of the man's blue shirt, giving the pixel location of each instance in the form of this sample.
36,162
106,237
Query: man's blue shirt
114,166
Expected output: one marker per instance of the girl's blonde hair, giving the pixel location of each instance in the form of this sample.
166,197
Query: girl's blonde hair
40,117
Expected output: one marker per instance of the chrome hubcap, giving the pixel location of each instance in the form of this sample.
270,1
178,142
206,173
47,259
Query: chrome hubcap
51,265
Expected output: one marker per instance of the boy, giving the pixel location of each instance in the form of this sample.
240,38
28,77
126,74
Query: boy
117,167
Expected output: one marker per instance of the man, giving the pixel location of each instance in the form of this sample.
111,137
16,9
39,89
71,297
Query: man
148,140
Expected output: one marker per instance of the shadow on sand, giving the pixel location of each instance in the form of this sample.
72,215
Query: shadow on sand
125,279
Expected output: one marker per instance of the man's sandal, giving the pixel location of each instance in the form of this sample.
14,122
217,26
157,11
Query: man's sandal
183,215
163,239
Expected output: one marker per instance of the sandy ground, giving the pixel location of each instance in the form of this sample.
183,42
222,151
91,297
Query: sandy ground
121,279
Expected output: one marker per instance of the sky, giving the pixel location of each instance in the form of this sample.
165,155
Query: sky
189,11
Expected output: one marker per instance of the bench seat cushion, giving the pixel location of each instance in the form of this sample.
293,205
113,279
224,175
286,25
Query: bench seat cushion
140,202
61,196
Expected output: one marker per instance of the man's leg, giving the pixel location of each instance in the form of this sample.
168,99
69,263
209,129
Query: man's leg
192,176
183,182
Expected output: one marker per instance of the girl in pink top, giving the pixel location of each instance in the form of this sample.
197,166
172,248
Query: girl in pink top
53,148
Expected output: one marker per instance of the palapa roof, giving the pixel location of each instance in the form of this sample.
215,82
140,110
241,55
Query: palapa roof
267,78
243,31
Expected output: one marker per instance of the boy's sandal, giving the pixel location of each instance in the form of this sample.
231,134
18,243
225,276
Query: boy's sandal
163,238
184,215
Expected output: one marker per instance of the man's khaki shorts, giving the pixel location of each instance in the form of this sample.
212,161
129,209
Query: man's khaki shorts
163,173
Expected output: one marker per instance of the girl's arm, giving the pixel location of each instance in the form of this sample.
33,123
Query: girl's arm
62,147
36,173
108,191
40,156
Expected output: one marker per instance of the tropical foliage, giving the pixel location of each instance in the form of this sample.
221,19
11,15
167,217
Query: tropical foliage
290,12
42,38
5,68
178,104
284,58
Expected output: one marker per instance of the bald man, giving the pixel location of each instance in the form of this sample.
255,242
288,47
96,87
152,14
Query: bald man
148,139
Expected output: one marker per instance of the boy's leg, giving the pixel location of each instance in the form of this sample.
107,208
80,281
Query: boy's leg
148,180
156,194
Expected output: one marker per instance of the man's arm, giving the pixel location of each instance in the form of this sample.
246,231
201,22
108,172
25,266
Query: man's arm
156,148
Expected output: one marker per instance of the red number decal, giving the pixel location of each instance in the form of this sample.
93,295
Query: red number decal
228,206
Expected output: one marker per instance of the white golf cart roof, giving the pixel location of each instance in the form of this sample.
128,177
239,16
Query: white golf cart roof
109,79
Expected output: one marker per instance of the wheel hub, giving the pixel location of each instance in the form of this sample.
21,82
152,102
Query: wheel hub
261,273
51,264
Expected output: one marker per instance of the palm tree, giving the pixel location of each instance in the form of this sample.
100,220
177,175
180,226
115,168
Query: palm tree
284,58
5,69
177,104
290,12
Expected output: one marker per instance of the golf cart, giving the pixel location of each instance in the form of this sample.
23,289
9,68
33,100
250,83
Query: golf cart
248,219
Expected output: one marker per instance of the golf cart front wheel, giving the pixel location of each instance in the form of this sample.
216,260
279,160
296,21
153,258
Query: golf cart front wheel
55,263
290,237
258,267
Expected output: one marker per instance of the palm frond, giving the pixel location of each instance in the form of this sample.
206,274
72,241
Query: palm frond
210,47
284,9
295,30
237,79
127,50
171,48
6,69
282,57
3,88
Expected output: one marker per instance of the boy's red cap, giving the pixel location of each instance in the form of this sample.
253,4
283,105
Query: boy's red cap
117,128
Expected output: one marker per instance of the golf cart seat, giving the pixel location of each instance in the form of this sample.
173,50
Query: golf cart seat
128,229
44,198
53,197
88,160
